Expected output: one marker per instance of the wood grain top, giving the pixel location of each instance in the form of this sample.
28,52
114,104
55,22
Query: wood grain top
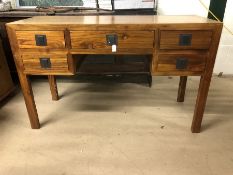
109,20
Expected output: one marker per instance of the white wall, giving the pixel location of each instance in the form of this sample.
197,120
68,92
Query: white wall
224,62
182,7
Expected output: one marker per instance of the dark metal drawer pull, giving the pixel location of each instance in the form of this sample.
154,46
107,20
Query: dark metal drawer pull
185,39
111,40
45,63
181,63
41,40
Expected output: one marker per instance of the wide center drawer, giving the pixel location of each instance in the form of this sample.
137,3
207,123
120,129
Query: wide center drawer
185,39
124,39
40,39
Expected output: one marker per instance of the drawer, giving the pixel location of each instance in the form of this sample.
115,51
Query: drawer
181,63
184,39
45,64
40,39
125,39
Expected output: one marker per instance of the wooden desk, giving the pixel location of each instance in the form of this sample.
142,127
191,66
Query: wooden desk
177,46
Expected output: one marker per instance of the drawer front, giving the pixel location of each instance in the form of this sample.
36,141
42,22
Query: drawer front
45,64
40,39
181,63
125,39
185,39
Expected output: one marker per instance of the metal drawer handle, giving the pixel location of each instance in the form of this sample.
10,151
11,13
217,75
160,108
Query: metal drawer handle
45,63
112,39
41,40
185,39
181,63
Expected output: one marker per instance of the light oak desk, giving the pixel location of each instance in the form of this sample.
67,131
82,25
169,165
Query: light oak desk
177,46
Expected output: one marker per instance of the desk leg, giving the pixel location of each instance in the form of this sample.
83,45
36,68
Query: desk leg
200,103
53,87
205,81
182,88
149,79
29,100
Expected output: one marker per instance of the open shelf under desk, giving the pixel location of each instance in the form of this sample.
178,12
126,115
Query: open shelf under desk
113,64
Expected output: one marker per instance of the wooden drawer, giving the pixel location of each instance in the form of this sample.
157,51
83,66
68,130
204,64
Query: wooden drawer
45,64
51,39
181,63
125,39
184,39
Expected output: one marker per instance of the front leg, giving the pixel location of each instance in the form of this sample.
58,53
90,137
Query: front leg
200,103
53,87
29,100
205,82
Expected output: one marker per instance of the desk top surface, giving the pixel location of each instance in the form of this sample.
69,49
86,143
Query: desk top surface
109,20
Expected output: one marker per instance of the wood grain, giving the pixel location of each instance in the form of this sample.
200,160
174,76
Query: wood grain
24,81
58,63
167,62
126,51
205,82
26,39
97,39
170,39
71,61
117,20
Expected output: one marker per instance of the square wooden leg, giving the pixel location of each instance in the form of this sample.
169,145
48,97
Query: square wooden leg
182,89
200,104
29,100
205,82
53,87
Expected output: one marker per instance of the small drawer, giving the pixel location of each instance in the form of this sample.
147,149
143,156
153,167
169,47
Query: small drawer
181,63
124,40
40,39
45,64
185,39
